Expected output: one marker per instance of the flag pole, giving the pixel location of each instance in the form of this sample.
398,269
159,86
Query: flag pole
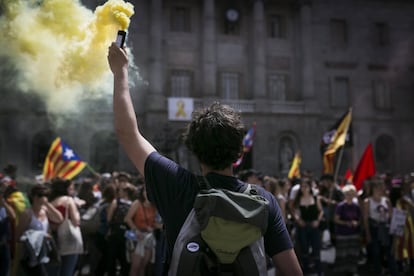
91,169
341,153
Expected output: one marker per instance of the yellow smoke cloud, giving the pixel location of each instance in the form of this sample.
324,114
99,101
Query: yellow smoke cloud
59,47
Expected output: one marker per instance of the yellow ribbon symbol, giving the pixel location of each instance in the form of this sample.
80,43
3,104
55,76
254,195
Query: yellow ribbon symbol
180,110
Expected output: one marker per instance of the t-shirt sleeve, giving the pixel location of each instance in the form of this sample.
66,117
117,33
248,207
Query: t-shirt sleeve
172,189
169,186
277,238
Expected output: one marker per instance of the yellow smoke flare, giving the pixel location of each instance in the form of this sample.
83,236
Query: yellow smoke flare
59,47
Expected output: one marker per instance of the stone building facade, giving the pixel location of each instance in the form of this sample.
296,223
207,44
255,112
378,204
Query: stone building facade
293,67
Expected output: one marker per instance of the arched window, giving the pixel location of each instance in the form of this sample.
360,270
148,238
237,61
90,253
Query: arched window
385,153
40,146
104,152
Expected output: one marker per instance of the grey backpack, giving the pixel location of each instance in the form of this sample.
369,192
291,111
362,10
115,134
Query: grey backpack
223,234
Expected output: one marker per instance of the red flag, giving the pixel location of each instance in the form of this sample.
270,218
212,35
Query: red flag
365,168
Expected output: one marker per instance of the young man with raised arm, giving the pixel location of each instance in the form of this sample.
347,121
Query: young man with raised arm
215,137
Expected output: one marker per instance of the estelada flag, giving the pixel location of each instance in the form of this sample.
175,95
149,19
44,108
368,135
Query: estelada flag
337,140
248,138
339,137
247,144
328,135
61,161
365,168
295,167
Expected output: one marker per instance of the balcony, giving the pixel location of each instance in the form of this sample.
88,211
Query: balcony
257,106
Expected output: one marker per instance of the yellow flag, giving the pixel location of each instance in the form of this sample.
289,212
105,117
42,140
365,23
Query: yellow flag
338,139
295,167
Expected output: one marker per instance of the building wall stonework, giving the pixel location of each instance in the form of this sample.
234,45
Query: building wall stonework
332,55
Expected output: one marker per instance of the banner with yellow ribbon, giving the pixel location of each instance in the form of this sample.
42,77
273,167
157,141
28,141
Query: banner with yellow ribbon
180,109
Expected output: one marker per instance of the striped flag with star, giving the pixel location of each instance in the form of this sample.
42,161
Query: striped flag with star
61,161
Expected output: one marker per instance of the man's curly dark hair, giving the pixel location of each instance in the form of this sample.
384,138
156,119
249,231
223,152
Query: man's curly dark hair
215,136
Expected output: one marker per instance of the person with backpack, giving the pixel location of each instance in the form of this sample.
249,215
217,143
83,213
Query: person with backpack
101,241
117,211
215,137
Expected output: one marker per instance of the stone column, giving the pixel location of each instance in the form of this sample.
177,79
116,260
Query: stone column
155,97
306,46
259,53
209,50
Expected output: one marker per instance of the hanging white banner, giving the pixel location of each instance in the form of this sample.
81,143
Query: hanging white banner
180,109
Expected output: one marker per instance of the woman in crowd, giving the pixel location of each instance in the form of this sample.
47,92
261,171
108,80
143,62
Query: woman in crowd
377,213
141,218
61,195
282,197
37,218
308,214
117,227
403,248
278,188
86,196
348,239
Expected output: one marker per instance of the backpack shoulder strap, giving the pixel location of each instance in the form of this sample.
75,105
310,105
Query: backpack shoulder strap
190,228
203,182
251,189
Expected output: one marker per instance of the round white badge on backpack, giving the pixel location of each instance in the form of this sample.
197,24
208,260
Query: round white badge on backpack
193,247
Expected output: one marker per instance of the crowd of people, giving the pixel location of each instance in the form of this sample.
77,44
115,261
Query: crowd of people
129,238
123,241
357,222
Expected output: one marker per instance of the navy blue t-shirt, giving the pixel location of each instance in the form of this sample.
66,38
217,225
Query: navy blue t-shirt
173,190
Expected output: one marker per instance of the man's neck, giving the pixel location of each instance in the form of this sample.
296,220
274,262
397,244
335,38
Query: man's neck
227,171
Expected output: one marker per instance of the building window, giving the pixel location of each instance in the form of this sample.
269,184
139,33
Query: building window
277,87
230,85
181,83
340,92
382,95
382,35
180,19
277,27
339,33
